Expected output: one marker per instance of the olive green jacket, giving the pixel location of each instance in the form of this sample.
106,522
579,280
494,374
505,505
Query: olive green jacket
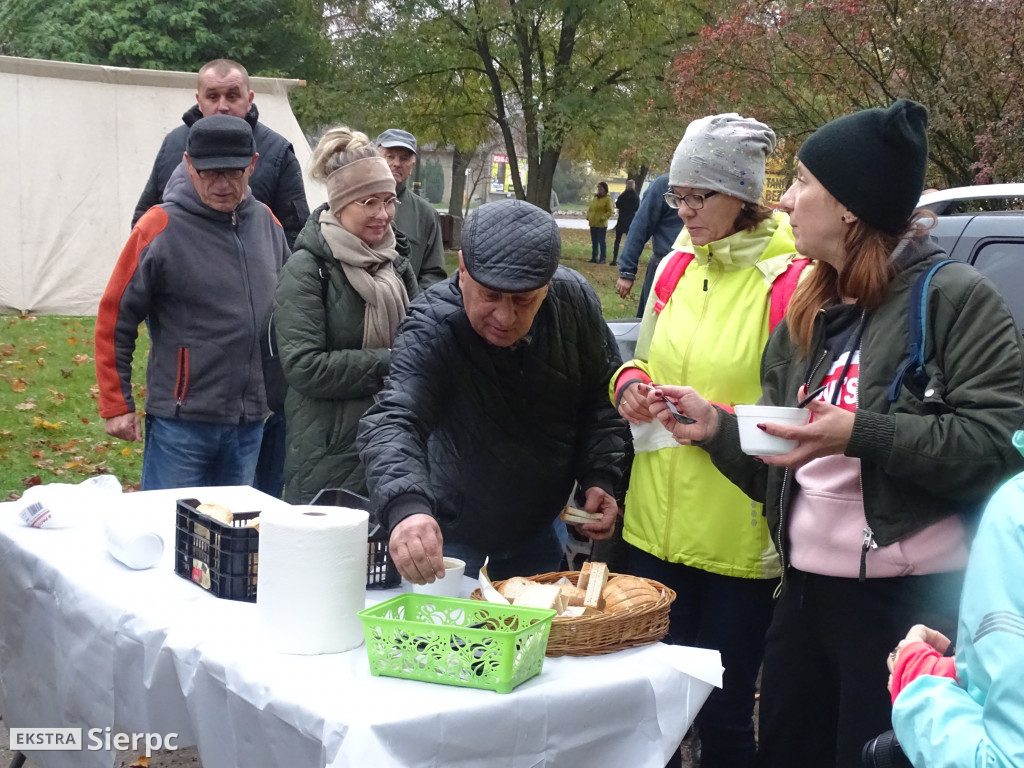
928,454
331,379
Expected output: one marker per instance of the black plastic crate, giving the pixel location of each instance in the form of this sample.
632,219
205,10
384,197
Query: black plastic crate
381,573
223,559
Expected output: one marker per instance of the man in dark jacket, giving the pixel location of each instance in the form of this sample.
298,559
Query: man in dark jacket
200,269
627,204
494,407
276,182
657,222
415,218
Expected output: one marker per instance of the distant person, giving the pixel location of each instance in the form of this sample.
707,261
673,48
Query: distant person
223,89
495,405
200,269
417,219
335,335
598,213
655,221
627,205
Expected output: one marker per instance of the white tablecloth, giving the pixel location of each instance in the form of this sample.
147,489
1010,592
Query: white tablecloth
86,642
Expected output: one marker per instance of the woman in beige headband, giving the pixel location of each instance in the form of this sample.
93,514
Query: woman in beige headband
339,301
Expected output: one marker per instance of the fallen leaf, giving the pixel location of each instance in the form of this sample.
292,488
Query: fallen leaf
28,482
6,350
18,385
126,451
37,454
25,406
41,362
79,359
85,420
70,465
37,347
66,372
72,341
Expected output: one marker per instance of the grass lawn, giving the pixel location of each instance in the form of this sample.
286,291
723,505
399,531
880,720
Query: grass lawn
50,428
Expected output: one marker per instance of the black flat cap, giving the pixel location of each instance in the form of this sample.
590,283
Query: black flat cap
220,141
511,246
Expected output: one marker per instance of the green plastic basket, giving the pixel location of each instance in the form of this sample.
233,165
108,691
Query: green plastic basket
457,642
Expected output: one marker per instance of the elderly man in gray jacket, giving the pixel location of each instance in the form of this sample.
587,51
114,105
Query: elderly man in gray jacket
200,269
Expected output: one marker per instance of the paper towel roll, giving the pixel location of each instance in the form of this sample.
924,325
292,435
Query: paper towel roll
312,578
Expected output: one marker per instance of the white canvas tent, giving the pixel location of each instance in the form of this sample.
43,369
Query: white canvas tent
78,142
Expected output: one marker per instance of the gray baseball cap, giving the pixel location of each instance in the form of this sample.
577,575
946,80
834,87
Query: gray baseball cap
396,137
511,246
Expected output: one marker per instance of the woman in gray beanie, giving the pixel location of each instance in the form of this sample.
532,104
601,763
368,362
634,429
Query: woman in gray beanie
871,511
706,324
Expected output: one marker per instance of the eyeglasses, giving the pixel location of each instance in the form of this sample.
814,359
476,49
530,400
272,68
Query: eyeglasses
694,202
217,173
373,205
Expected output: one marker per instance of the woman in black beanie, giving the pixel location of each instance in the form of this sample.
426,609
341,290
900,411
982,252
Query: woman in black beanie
871,512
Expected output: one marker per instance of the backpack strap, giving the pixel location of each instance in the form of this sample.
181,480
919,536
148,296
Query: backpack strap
913,371
669,278
782,291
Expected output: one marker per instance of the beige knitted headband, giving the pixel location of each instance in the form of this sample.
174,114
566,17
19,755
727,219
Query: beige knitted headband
357,181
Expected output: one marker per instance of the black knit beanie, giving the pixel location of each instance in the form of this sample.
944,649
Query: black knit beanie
873,162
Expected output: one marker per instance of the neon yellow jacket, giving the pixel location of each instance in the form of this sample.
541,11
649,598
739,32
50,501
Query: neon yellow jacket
679,507
600,211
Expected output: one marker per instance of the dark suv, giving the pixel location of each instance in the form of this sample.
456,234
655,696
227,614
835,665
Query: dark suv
982,225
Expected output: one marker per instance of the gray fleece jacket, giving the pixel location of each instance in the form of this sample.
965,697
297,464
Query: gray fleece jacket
204,282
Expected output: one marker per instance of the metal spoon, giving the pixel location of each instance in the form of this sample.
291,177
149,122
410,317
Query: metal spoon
680,417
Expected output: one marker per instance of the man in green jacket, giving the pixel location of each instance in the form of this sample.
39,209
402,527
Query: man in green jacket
415,217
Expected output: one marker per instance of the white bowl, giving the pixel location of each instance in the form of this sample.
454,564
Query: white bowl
757,443
450,585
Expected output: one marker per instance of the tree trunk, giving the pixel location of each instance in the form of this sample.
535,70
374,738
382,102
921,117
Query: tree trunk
539,187
460,162
639,176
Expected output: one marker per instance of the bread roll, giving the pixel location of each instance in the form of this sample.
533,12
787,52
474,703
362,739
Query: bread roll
624,592
217,511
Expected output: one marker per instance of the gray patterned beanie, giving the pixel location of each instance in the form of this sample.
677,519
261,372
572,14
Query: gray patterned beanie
725,153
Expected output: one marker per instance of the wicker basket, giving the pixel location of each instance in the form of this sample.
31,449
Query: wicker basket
607,633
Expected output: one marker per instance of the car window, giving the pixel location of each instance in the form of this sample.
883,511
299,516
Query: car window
1003,264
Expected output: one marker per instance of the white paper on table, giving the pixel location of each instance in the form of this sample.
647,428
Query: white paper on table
651,436
490,594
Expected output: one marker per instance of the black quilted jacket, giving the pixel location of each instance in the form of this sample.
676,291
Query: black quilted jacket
487,439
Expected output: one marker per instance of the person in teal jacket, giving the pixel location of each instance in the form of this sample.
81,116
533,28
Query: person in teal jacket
973,714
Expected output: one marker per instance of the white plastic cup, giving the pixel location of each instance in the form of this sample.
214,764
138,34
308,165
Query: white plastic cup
450,585
754,441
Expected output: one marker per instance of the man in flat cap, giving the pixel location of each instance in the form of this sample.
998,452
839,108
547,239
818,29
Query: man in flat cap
495,405
415,218
200,269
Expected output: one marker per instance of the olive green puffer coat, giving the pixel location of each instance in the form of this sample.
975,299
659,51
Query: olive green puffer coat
331,379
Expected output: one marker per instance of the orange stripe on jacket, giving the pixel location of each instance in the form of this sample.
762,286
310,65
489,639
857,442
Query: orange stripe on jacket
112,400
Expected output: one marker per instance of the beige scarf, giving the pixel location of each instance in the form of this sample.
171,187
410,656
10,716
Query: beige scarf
371,271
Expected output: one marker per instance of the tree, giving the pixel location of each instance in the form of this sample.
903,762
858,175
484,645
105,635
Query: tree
797,65
270,37
542,72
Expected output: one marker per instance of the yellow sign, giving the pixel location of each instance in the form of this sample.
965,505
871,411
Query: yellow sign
501,178
774,188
